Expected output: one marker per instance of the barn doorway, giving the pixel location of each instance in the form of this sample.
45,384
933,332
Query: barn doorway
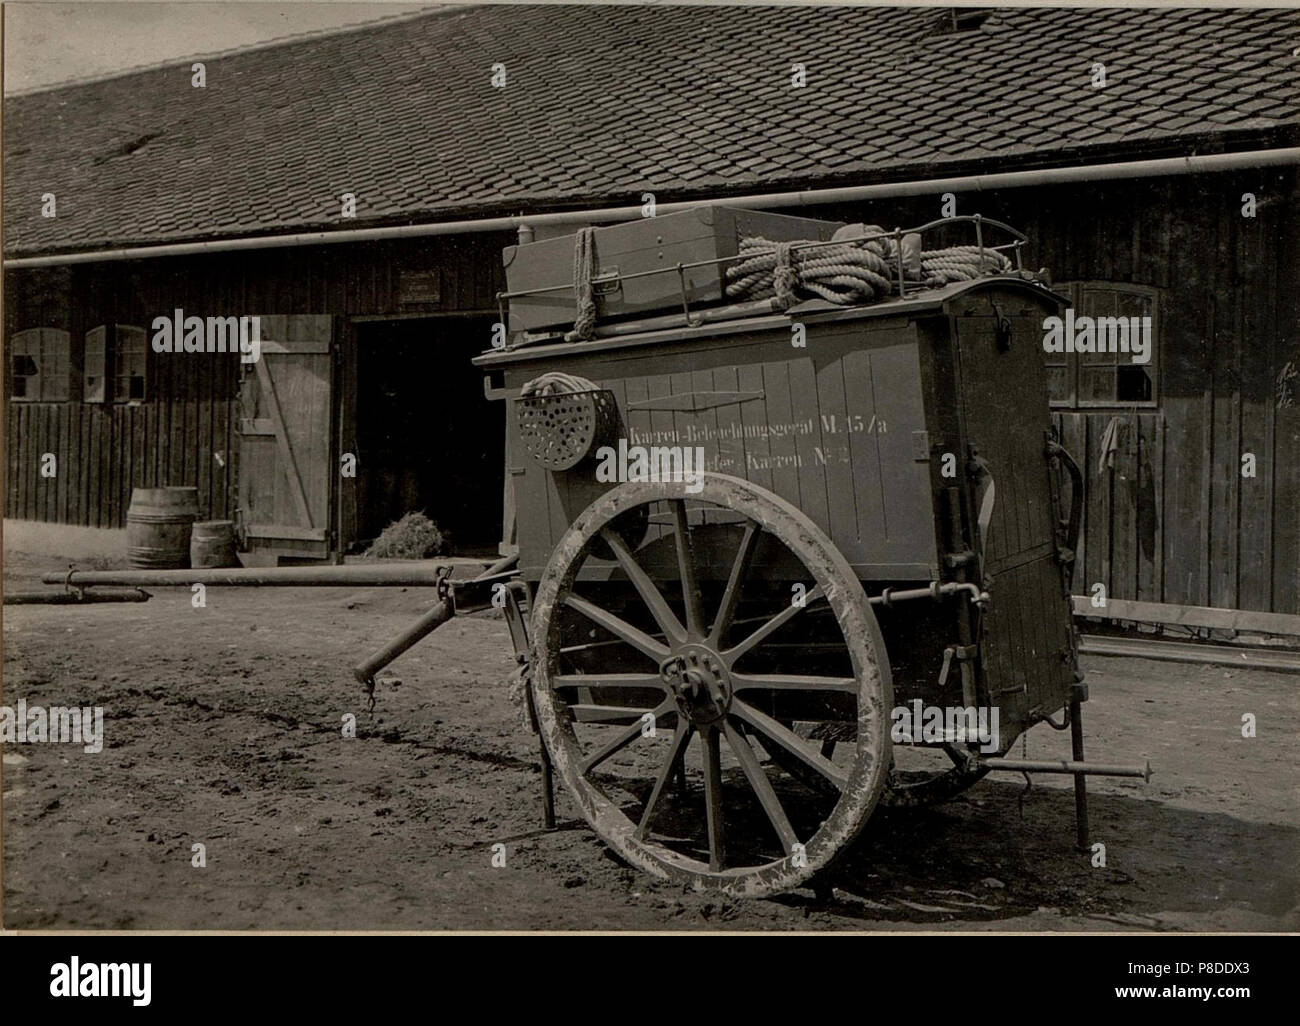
427,437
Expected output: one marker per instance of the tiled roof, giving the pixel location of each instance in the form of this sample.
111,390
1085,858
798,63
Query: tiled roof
601,103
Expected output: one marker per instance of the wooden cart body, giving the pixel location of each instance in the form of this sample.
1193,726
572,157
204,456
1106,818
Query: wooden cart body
884,424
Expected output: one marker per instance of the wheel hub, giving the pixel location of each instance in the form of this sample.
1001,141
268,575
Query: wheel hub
698,680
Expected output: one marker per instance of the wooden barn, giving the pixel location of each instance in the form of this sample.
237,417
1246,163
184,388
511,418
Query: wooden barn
354,190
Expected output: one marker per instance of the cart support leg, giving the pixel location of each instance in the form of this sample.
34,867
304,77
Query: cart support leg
517,598
548,785
1080,779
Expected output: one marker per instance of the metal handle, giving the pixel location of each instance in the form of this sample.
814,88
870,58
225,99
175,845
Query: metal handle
607,282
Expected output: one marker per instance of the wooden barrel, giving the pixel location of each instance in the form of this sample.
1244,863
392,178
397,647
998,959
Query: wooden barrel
158,525
212,544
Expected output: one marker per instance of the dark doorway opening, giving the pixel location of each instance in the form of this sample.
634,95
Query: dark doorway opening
428,439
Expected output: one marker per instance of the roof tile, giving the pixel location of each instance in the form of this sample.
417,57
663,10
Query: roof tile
603,101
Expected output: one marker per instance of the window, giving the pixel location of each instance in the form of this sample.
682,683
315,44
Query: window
38,360
128,364
1118,314
93,366
122,349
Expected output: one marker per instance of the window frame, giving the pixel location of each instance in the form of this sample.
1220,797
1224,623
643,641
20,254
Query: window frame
97,337
124,396
1074,291
52,368
109,352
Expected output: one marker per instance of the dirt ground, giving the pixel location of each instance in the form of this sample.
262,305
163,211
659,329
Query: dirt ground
222,726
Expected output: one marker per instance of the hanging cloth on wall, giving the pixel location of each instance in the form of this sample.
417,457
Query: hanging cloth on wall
1109,446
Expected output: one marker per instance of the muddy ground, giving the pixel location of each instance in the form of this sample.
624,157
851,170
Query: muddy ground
223,727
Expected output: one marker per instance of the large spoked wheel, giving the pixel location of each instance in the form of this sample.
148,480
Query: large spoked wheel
676,634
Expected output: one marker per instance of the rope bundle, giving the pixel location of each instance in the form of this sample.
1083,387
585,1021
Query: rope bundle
584,266
556,383
850,272
845,273
961,263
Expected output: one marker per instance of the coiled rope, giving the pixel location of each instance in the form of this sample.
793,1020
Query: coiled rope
857,271
556,383
846,273
961,263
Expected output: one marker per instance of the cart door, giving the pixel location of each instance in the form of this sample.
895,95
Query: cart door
1027,646
287,458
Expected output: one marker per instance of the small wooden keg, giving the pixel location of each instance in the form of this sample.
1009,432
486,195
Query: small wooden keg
212,544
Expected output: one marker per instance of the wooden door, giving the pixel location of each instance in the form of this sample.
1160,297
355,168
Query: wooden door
287,457
1028,639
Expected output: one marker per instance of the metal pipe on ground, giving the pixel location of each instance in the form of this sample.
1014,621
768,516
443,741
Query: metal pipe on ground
365,575
257,577
74,598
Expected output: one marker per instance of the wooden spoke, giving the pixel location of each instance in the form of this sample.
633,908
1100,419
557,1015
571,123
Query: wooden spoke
592,646
608,715
686,570
739,571
792,682
775,732
774,624
713,798
609,680
622,740
618,626
681,738
650,594
762,787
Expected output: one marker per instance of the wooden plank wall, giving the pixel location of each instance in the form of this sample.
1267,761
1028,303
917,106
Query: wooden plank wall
183,433
1173,520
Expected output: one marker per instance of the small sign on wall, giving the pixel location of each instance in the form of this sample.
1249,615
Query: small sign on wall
419,287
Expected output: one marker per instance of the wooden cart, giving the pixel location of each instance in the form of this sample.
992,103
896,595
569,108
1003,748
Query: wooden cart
719,664
730,668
